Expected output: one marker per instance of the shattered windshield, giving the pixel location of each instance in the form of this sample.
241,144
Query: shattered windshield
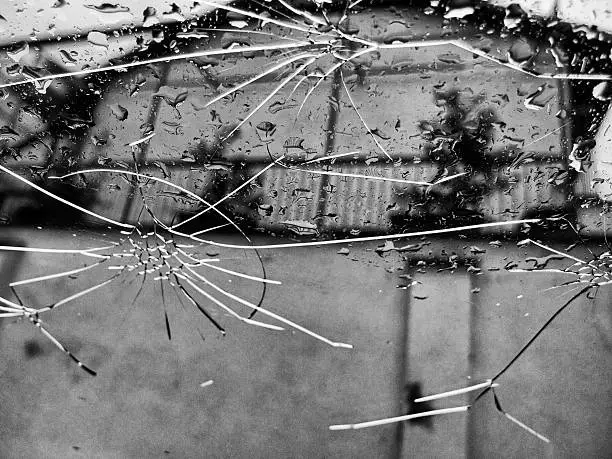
305,228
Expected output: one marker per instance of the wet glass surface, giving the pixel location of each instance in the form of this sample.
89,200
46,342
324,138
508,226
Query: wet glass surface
262,225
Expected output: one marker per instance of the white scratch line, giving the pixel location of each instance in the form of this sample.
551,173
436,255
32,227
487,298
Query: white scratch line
139,141
380,422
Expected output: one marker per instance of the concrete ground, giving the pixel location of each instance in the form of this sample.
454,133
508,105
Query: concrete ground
274,394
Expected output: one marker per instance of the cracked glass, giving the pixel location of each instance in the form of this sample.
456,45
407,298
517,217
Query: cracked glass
244,228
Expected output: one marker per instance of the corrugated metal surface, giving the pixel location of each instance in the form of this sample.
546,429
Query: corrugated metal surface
346,203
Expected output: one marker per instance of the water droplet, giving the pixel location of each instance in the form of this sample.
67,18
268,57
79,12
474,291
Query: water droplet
521,52
6,133
265,210
380,133
387,247
158,36
294,143
42,86
476,250
542,262
119,111
108,8
172,96
175,13
603,91
450,58
97,38
17,52
514,15
239,24
150,18
67,58
301,227
267,127
459,13
539,98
